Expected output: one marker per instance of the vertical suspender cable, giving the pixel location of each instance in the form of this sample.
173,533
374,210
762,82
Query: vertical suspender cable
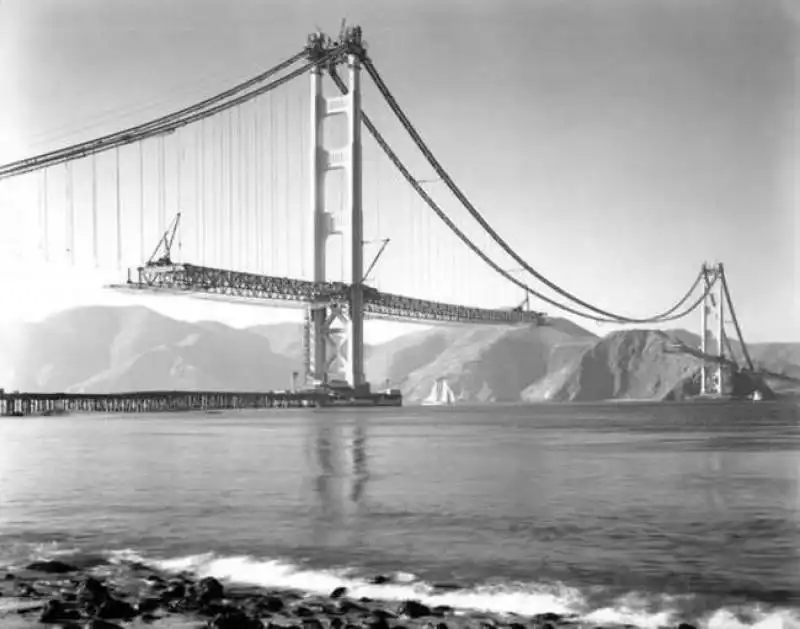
432,231
214,179
252,187
413,238
378,232
236,198
141,202
343,187
218,202
302,215
454,262
244,196
211,181
210,185
70,236
230,188
427,261
422,245
162,186
211,163
200,175
422,238
244,182
256,190
119,209
288,228
263,219
178,194
417,253
272,194
196,198
45,218
178,162
244,232
95,236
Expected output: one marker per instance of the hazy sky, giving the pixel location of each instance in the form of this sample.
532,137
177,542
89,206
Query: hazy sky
616,144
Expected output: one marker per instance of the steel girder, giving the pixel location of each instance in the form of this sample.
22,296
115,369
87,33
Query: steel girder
387,305
190,278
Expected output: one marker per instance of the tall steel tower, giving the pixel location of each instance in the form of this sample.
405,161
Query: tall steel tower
713,312
335,327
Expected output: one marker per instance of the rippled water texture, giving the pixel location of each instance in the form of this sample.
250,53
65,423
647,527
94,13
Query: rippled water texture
701,501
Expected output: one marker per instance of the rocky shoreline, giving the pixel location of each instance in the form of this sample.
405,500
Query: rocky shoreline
100,595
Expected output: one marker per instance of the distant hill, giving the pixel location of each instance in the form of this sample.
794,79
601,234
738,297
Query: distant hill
492,363
396,359
102,349
630,364
780,357
284,338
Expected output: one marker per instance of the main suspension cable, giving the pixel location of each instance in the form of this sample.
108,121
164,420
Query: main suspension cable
663,316
124,138
471,245
734,317
86,148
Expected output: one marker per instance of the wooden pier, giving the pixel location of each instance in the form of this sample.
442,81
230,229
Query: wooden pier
18,404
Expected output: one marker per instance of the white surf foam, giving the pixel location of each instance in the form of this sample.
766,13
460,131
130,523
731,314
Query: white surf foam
514,598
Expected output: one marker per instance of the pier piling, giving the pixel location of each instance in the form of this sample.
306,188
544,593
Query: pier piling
23,404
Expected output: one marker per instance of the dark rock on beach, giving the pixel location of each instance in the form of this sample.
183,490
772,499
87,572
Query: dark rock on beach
134,595
209,589
92,591
51,567
57,611
148,604
235,619
96,623
273,604
414,609
115,609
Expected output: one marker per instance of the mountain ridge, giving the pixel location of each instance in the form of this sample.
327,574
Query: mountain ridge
104,349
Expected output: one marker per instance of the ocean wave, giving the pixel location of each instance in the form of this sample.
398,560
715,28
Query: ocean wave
526,599
13,553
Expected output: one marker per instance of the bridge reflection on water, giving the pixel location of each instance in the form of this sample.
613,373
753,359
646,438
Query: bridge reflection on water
339,474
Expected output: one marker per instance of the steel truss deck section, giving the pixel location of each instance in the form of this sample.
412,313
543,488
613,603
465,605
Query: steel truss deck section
189,278
192,278
387,305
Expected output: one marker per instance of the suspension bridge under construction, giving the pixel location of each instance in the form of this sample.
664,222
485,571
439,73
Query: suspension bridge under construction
275,197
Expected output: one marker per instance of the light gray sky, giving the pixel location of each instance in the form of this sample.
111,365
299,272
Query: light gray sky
616,144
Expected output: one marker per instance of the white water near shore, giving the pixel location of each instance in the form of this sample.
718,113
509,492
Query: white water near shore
518,598
646,611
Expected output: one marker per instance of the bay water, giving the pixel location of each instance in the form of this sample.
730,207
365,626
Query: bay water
624,512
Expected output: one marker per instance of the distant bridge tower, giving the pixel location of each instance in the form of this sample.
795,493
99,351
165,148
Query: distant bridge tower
711,343
335,327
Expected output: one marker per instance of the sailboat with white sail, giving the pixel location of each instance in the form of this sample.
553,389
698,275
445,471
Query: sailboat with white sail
440,395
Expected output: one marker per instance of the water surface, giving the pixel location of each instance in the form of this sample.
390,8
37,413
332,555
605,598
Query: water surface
633,509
